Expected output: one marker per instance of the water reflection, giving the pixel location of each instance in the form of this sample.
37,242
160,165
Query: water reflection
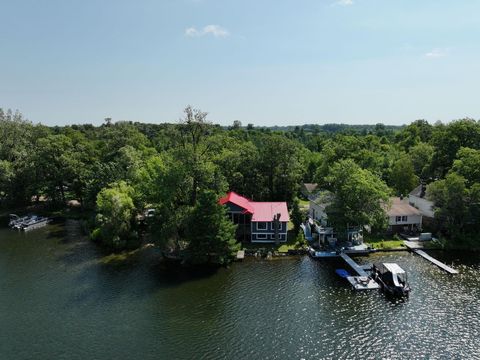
67,299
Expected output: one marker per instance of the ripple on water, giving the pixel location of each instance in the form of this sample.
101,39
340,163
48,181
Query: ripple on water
67,304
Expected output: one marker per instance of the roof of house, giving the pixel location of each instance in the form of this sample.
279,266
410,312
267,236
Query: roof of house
401,207
264,211
310,187
239,200
261,211
323,198
417,191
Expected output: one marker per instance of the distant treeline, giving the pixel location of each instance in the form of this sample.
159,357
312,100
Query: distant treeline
121,169
338,128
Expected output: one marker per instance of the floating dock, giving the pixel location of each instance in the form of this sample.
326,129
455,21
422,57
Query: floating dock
423,254
357,268
363,280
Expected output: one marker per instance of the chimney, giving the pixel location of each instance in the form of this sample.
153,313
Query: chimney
423,189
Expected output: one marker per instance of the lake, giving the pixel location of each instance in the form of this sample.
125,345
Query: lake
62,298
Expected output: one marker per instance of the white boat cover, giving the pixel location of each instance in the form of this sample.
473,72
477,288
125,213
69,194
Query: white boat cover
394,268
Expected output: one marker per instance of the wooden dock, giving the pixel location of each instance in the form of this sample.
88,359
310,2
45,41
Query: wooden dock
357,268
363,280
423,254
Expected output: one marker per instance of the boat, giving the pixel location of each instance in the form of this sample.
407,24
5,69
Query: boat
27,223
15,219
392,278
342,273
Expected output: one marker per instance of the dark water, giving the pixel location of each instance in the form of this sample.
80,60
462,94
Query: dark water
60,298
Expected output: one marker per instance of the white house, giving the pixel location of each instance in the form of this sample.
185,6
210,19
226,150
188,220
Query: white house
318,205
403,217
417,199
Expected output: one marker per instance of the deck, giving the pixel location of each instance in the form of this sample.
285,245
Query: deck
357,268
363,280
423,254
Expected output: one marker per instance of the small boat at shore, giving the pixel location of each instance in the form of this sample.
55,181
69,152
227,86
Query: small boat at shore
392,278
27,223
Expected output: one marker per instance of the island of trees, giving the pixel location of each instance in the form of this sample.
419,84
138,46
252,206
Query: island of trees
117,171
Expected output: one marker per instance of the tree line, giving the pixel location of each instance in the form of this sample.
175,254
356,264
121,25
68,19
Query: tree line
118,170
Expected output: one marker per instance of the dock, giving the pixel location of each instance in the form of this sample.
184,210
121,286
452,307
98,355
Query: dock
363,280
423,254
357,268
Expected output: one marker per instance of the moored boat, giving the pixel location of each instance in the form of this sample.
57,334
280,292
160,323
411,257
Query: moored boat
392,278
27,223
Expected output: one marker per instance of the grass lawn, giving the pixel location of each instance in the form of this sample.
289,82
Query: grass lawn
381,242
303,203
387,244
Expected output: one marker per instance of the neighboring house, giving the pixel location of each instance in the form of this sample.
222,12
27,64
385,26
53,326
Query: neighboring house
255,220
309,190
318,205
403,217
417,198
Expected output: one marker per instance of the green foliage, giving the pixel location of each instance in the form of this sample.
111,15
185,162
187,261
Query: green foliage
116,215
297,216
403,176
358,197
468,165
421,156
210,234
169,165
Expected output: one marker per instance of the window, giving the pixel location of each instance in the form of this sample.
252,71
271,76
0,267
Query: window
272,226
398,218
404,218
262,226
272,236
261,236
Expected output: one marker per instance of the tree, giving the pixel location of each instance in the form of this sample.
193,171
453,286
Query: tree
448,139
195,150
282,166
58,164
6,176
297,216
115,215
210,234
450,197
421,156
403,176
360,197
468,165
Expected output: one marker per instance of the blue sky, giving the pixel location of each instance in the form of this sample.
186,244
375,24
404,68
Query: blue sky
262,62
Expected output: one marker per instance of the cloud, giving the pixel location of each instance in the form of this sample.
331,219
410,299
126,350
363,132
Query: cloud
436,53
214,30
343,2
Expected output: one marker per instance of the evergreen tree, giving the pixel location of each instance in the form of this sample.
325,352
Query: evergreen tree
210,234
297,216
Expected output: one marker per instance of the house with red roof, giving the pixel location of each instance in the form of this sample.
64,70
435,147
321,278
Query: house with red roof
261,222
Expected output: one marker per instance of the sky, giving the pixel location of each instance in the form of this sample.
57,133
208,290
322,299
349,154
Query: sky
263,62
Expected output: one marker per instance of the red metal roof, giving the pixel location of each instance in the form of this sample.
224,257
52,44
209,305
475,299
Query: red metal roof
261,211
238,200
264,211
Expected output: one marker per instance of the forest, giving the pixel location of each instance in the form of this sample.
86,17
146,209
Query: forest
118,170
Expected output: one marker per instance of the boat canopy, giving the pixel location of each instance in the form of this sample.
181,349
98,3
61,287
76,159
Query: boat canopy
393,268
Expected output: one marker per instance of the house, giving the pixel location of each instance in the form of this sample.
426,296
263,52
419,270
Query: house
257,221
317,206
403,217
309,190
417,198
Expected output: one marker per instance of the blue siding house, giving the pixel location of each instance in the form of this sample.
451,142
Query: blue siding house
256,220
